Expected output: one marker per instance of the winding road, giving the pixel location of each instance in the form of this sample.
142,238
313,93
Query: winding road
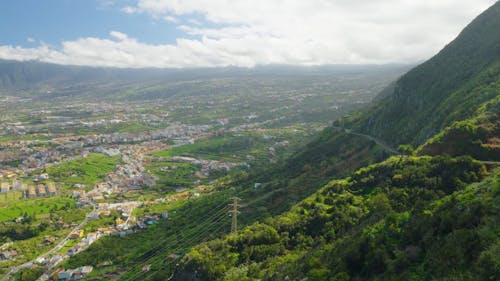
392,150
56,248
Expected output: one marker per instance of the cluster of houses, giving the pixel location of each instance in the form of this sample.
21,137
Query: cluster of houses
30,155
41,190
30,190
8,255
125,225
144,222
72,274
84,242
16,185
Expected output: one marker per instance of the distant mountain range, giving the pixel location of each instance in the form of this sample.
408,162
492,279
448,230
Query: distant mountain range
36,75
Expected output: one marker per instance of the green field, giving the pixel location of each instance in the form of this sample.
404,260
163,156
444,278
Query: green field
173,174
88,170
7,197
228,148
14,209
29,236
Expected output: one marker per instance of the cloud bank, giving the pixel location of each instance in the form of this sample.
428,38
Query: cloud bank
258,32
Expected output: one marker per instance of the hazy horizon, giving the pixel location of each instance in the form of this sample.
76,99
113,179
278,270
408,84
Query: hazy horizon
189,34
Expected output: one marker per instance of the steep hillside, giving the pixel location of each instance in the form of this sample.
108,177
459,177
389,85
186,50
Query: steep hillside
477,136
442,90
412,218
408,218
460,84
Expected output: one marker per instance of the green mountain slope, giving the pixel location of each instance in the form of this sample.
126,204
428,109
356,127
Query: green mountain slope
477,136
404,219
441,90
460,84
408,218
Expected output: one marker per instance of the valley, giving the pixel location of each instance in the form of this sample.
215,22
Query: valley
317,172
119,164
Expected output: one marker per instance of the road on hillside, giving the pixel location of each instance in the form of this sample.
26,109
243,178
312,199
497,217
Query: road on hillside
392,150
380,142
377,141
56,248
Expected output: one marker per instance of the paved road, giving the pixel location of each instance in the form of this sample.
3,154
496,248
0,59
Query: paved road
380,142
394,151
56,248
377,141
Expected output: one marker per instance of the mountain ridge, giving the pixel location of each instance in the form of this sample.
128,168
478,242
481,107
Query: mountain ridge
418,94
407,218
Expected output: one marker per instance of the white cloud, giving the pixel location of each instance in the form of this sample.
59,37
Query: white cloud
119,36
195,22
30,40
171,19
129,10
248,33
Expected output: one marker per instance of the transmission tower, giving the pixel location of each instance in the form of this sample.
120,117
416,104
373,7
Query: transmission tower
234,213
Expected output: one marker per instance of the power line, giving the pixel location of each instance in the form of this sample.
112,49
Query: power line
192,235
185,241
234,213
170,263
180,247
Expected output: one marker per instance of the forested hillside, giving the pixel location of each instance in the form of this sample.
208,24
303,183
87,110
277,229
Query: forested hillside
340,207
407,218
410,218
449,87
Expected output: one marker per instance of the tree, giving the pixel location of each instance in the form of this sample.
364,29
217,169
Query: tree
406,149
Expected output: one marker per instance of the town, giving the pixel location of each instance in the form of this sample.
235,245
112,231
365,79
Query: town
73,172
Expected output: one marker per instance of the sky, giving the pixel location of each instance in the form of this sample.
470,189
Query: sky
243,33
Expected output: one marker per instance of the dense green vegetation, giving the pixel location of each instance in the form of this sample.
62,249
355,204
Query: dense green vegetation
318,162
409,218
449,87
173,174
226,148
253,150
277,194
245,146
88,170
16,208
477,136
37,225
397,220
24,219
28,274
